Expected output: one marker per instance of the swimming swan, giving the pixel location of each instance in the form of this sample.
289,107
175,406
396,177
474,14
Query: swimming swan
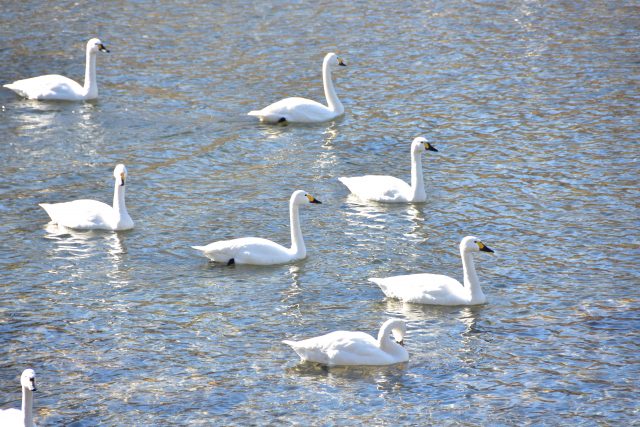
21,418
93,215
389,189
56,87
342,348
257,251
302,110
437,289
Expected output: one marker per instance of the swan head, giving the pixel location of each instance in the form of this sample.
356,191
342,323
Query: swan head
332,59
120,174
28,379
473,244
420,143
300,197
95,45
397,328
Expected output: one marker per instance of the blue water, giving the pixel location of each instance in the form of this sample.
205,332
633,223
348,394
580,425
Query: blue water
534,109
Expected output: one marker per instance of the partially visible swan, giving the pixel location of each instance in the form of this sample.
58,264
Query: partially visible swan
21,418
302,110
389,189
93,215
258,251
437,289
343,348
57,87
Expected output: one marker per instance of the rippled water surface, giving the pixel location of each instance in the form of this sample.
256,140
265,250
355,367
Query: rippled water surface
533,106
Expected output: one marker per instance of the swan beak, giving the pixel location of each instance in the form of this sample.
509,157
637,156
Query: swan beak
341,62
33,384
430,147
401,342
484,248
122,179
313,199
102,48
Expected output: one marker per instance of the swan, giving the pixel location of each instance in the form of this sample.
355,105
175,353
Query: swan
342,348
389,189
23,418
257,251
302,110
60,88
94,215
437,289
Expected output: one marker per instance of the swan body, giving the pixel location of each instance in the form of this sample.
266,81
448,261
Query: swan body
437,289
94,215
302,110
389,189
258,251
60,88
343,348
21,417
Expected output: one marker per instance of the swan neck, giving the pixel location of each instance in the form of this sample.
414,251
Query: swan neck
297,242
418,193
27,407
383,338
333,102
471,281
118,200
90,82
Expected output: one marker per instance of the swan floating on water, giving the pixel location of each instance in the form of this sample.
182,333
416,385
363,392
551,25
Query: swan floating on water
56,87
389,189
258,251
21,418
343,348
94,215
437,289
302,110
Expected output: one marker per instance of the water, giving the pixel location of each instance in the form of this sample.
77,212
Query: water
534,110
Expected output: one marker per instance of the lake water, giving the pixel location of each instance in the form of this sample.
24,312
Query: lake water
533,106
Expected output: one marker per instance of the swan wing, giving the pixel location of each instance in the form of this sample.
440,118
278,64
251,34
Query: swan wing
50,86
246,250
82,214
424,289
11,417
379,188
341,348
295,110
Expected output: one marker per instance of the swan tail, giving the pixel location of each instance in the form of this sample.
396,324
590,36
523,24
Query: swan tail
291,344
199,248
16,89
381,285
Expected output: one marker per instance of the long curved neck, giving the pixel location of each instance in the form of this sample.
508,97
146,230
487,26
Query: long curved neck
27,406
471,281
118,200
333,102
90,83
417,178
297,242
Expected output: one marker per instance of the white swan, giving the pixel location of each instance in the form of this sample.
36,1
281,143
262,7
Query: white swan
257,251
437,289
389,189
93,215
21,418
57,87
302,110
342,348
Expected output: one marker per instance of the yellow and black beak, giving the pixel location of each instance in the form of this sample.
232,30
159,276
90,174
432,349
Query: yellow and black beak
484,248
122,179
429,147
341,62
312,199
102,48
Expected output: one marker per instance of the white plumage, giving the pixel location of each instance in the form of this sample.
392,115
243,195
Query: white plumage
258,251
389,189
21,417
61,88
343,348
437,289
87,214
302,110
